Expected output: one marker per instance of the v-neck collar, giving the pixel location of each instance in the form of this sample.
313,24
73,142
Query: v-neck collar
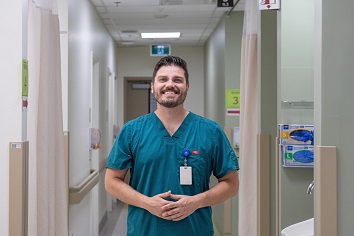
179,132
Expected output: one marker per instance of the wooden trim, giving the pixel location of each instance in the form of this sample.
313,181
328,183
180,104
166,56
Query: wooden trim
325,191
102,165
263,185
66,154
18,188
277,186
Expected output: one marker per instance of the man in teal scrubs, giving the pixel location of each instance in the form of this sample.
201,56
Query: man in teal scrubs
171,155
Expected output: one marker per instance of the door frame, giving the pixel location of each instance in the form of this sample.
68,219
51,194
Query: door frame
126,82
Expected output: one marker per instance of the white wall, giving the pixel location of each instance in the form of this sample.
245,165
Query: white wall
222,69
137,62
296,48
215,75
11,102
296,83
233,38
87,36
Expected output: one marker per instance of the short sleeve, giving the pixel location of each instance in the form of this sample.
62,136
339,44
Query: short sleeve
224,157
120,157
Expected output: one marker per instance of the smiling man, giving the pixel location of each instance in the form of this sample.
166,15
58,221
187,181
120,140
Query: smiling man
171,155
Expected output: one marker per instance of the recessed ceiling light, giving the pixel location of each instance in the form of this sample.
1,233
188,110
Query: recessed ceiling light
167,35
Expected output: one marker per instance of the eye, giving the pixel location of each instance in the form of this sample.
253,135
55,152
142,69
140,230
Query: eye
162,79
178,80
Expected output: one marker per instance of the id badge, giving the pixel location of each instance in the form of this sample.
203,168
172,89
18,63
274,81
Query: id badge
185,177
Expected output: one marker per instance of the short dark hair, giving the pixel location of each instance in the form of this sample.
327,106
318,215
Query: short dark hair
169,61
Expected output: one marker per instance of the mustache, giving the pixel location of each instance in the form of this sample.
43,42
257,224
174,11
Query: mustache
175,90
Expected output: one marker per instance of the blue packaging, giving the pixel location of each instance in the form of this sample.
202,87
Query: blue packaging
296,134
298,155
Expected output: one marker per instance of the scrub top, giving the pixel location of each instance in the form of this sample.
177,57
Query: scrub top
154,158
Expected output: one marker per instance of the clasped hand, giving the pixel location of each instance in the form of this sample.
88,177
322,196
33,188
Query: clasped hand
182,207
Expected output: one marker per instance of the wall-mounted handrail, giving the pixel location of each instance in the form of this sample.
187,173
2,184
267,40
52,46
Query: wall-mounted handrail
78,192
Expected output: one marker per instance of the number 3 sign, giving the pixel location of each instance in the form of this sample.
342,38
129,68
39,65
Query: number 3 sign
232,98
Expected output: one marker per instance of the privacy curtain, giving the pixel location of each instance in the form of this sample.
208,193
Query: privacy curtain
249,122
48,205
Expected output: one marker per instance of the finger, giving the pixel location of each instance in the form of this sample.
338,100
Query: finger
169,206
178,217
164,195
175,196
171,213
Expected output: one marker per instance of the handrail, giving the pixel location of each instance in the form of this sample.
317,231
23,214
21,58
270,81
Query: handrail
78,192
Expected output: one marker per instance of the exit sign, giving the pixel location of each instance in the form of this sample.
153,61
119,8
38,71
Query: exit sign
160,49
225,3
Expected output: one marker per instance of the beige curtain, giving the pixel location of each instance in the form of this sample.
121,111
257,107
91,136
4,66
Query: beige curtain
249,122
48,214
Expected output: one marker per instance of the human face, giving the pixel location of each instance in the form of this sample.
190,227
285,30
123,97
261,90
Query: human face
169,86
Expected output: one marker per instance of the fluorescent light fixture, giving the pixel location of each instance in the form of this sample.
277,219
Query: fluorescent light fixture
168,35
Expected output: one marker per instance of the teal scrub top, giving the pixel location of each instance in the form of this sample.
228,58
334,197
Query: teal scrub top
154,158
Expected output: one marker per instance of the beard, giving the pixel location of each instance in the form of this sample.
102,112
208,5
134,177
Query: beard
170,103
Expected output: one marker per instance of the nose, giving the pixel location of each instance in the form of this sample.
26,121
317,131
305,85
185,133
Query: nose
170,83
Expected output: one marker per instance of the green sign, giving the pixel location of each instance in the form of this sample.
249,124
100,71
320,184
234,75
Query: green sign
24,78
160,49
232,98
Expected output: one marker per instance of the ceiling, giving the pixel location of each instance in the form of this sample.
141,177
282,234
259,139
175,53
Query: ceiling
195,19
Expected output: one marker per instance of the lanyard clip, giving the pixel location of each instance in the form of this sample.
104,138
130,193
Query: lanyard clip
186,154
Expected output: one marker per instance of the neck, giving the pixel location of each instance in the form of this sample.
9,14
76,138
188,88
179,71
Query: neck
171,118
172,114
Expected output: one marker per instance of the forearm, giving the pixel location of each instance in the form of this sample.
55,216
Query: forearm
223,190
126,193
114,183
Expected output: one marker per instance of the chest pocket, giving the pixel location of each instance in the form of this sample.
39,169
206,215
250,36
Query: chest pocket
200,172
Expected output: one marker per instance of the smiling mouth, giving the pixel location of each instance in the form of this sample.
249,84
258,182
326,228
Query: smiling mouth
169,92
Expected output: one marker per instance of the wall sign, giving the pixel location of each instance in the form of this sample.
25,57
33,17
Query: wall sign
232,98
269,4
225,3
24,77
233,102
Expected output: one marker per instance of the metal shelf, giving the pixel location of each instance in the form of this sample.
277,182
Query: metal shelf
297,105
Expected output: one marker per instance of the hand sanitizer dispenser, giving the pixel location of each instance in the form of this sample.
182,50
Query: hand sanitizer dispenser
95,138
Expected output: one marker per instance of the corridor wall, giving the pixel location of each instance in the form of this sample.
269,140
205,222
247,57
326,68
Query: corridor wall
10,90
87,39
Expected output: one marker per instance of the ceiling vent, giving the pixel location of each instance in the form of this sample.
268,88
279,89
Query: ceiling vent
129,32
171,2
